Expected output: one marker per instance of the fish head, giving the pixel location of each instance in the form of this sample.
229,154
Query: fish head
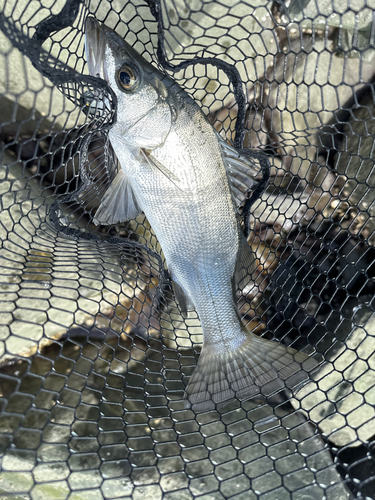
145,106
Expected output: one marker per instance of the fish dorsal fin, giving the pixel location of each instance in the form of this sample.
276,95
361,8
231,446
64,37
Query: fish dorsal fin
183,299
242,172
119,203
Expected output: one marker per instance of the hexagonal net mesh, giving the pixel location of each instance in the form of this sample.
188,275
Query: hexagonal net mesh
96,351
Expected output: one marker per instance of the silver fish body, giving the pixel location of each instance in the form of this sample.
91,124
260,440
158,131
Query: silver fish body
176,169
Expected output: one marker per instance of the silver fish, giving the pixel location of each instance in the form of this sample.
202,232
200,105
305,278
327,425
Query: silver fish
185,178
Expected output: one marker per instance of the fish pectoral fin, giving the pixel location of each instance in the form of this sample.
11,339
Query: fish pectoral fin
183,299
119,203
153,162
258,367
242,172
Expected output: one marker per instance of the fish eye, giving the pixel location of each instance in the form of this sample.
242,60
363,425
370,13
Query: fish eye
127,78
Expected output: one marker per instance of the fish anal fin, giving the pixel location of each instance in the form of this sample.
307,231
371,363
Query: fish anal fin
183,299
258,367
119,203
246,264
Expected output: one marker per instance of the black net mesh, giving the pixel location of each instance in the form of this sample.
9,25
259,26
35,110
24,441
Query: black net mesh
95,351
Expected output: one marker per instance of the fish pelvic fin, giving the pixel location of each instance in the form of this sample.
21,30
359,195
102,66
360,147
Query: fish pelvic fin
119,203
258,367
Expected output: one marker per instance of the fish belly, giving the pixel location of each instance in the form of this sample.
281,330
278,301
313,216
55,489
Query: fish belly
194,220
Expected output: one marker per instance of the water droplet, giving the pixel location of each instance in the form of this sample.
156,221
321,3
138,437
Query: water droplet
63,221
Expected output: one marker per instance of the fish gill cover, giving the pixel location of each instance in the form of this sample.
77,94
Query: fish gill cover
96,351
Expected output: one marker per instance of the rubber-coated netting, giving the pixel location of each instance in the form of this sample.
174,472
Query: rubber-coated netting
95,351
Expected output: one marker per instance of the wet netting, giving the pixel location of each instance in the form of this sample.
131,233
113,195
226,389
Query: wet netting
96,350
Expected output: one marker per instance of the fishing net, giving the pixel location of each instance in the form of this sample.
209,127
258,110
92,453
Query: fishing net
95,352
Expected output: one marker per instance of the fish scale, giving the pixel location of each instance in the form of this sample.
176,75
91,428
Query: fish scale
179,172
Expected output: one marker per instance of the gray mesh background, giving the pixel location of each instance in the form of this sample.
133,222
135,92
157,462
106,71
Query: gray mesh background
94,353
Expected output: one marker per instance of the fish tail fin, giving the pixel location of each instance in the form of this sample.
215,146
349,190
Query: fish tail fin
258,367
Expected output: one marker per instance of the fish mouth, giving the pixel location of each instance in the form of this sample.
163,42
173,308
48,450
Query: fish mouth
95,45
94,103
